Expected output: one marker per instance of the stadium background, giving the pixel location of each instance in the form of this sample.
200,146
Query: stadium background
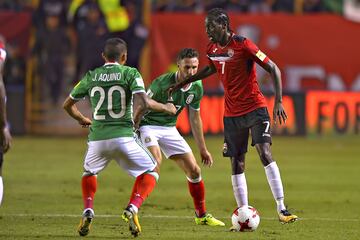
311,48
314,42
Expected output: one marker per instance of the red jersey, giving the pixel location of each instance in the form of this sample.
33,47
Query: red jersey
235,65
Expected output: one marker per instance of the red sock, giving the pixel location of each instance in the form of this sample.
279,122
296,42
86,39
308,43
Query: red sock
143,186
88,184
197,191
134,190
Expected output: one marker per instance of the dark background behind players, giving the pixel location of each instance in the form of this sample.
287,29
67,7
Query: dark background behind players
93,20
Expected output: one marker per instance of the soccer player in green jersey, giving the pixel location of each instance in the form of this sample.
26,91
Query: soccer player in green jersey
159,134
111,89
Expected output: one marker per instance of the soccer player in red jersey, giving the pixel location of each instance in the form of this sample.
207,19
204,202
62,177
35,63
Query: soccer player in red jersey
233,57
5,137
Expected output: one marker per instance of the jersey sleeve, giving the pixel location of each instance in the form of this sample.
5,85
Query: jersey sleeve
81,89
208,51
199,94
255,53
154,90
136,81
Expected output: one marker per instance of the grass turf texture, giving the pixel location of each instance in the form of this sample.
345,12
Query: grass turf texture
42,198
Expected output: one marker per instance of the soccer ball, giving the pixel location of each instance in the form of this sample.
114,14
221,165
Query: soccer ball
245,219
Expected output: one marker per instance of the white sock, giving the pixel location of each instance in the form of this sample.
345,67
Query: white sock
1,189
274,180
195,180
134,208
240,189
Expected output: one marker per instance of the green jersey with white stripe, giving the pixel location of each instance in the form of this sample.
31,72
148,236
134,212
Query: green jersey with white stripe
110,90
189,95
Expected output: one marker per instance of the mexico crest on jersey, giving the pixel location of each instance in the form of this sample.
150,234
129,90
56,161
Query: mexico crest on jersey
147,139
230,52
190,98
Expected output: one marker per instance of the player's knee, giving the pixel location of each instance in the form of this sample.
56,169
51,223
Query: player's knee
238,168
238,165
194,179
154,174
157,169
88,174
266,157
194,172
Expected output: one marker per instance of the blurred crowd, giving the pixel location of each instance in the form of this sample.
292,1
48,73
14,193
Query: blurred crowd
69,37
69,34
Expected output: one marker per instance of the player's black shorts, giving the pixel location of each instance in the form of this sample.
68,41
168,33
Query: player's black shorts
236,131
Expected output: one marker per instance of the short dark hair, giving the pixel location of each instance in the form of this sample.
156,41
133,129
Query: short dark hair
219,15
114,49
187,53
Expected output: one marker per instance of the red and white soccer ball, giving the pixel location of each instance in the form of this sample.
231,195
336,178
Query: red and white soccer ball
245,219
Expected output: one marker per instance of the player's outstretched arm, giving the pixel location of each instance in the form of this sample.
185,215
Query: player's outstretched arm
143,103
203,73
155,106
279,111
197,131
72,110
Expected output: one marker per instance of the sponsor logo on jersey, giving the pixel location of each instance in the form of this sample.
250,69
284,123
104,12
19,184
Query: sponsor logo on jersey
140,82
260,55
219,57
147,139
190,98
230,52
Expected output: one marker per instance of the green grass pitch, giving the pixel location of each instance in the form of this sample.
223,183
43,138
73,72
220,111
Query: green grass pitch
42,198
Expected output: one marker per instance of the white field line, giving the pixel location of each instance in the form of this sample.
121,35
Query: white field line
166,216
